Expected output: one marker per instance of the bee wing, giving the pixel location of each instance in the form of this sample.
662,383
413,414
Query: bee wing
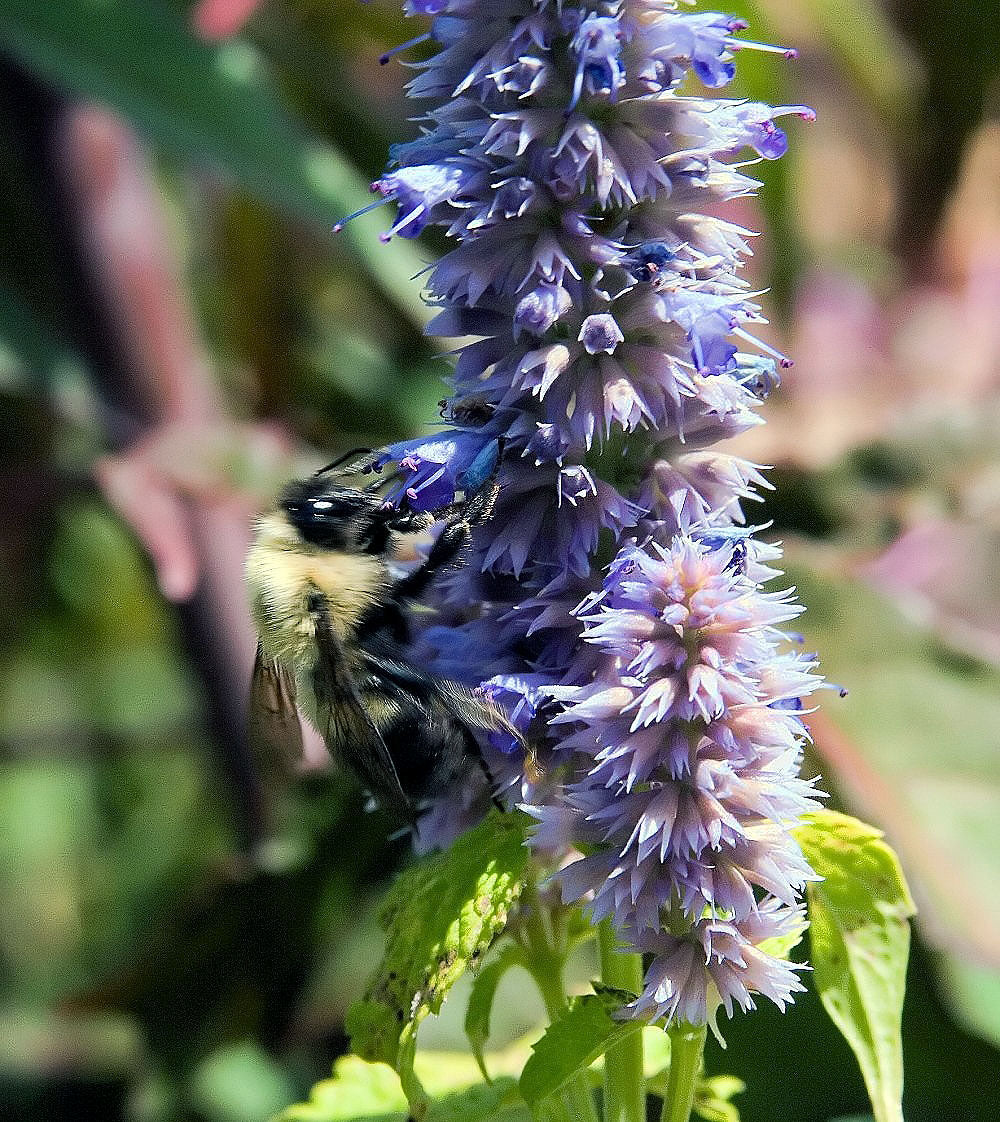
338,702
273,725
468,706
478,709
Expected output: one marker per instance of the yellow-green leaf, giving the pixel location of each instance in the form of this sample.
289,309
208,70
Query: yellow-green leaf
860,939
364,1092
713,1098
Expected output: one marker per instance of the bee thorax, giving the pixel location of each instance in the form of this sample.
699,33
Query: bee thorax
284,578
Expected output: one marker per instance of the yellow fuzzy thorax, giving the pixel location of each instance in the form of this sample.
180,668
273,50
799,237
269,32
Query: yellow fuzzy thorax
283,572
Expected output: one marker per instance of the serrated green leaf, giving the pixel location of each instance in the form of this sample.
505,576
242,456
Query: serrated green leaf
206,103
357,1090
655,1059
573,1042
860,940
499,1100
440,916
484,988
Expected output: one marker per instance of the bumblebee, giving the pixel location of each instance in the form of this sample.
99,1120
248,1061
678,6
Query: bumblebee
333,627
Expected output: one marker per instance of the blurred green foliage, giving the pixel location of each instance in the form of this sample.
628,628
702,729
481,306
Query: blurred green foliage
149,969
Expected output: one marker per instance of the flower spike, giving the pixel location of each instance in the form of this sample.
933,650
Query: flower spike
617,604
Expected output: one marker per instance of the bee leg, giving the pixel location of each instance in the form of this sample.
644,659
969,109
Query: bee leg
445,549
494,797
450,541
365,464
408,522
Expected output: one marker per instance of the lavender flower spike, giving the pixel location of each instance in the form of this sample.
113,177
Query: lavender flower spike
616,602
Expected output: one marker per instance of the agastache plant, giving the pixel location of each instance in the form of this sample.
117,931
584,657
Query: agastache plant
617,602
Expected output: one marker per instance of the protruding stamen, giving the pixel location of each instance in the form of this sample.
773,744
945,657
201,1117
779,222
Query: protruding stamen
803,111
768,48
783,360
357,214
415,41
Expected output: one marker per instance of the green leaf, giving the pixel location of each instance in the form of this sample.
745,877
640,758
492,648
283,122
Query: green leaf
712,1099
499,1100
357,1090
573,1042
360,1090
440,917
240,1083
208,104
860,941
911,693
484,988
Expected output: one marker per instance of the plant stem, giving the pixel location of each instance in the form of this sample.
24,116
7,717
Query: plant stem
545,964
624,1085
686,1046
577,1093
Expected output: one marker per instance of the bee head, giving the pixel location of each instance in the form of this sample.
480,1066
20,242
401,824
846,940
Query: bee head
342,518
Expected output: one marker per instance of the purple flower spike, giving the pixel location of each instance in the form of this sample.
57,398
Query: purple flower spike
521,695
418,190
753,125
608,342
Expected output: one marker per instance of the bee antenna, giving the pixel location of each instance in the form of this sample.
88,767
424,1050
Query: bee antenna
343,459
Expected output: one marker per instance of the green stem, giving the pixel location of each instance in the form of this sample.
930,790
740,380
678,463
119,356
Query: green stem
686,1046
547,972
545,964
624,1085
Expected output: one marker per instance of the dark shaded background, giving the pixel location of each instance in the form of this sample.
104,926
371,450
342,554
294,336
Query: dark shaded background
181,926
